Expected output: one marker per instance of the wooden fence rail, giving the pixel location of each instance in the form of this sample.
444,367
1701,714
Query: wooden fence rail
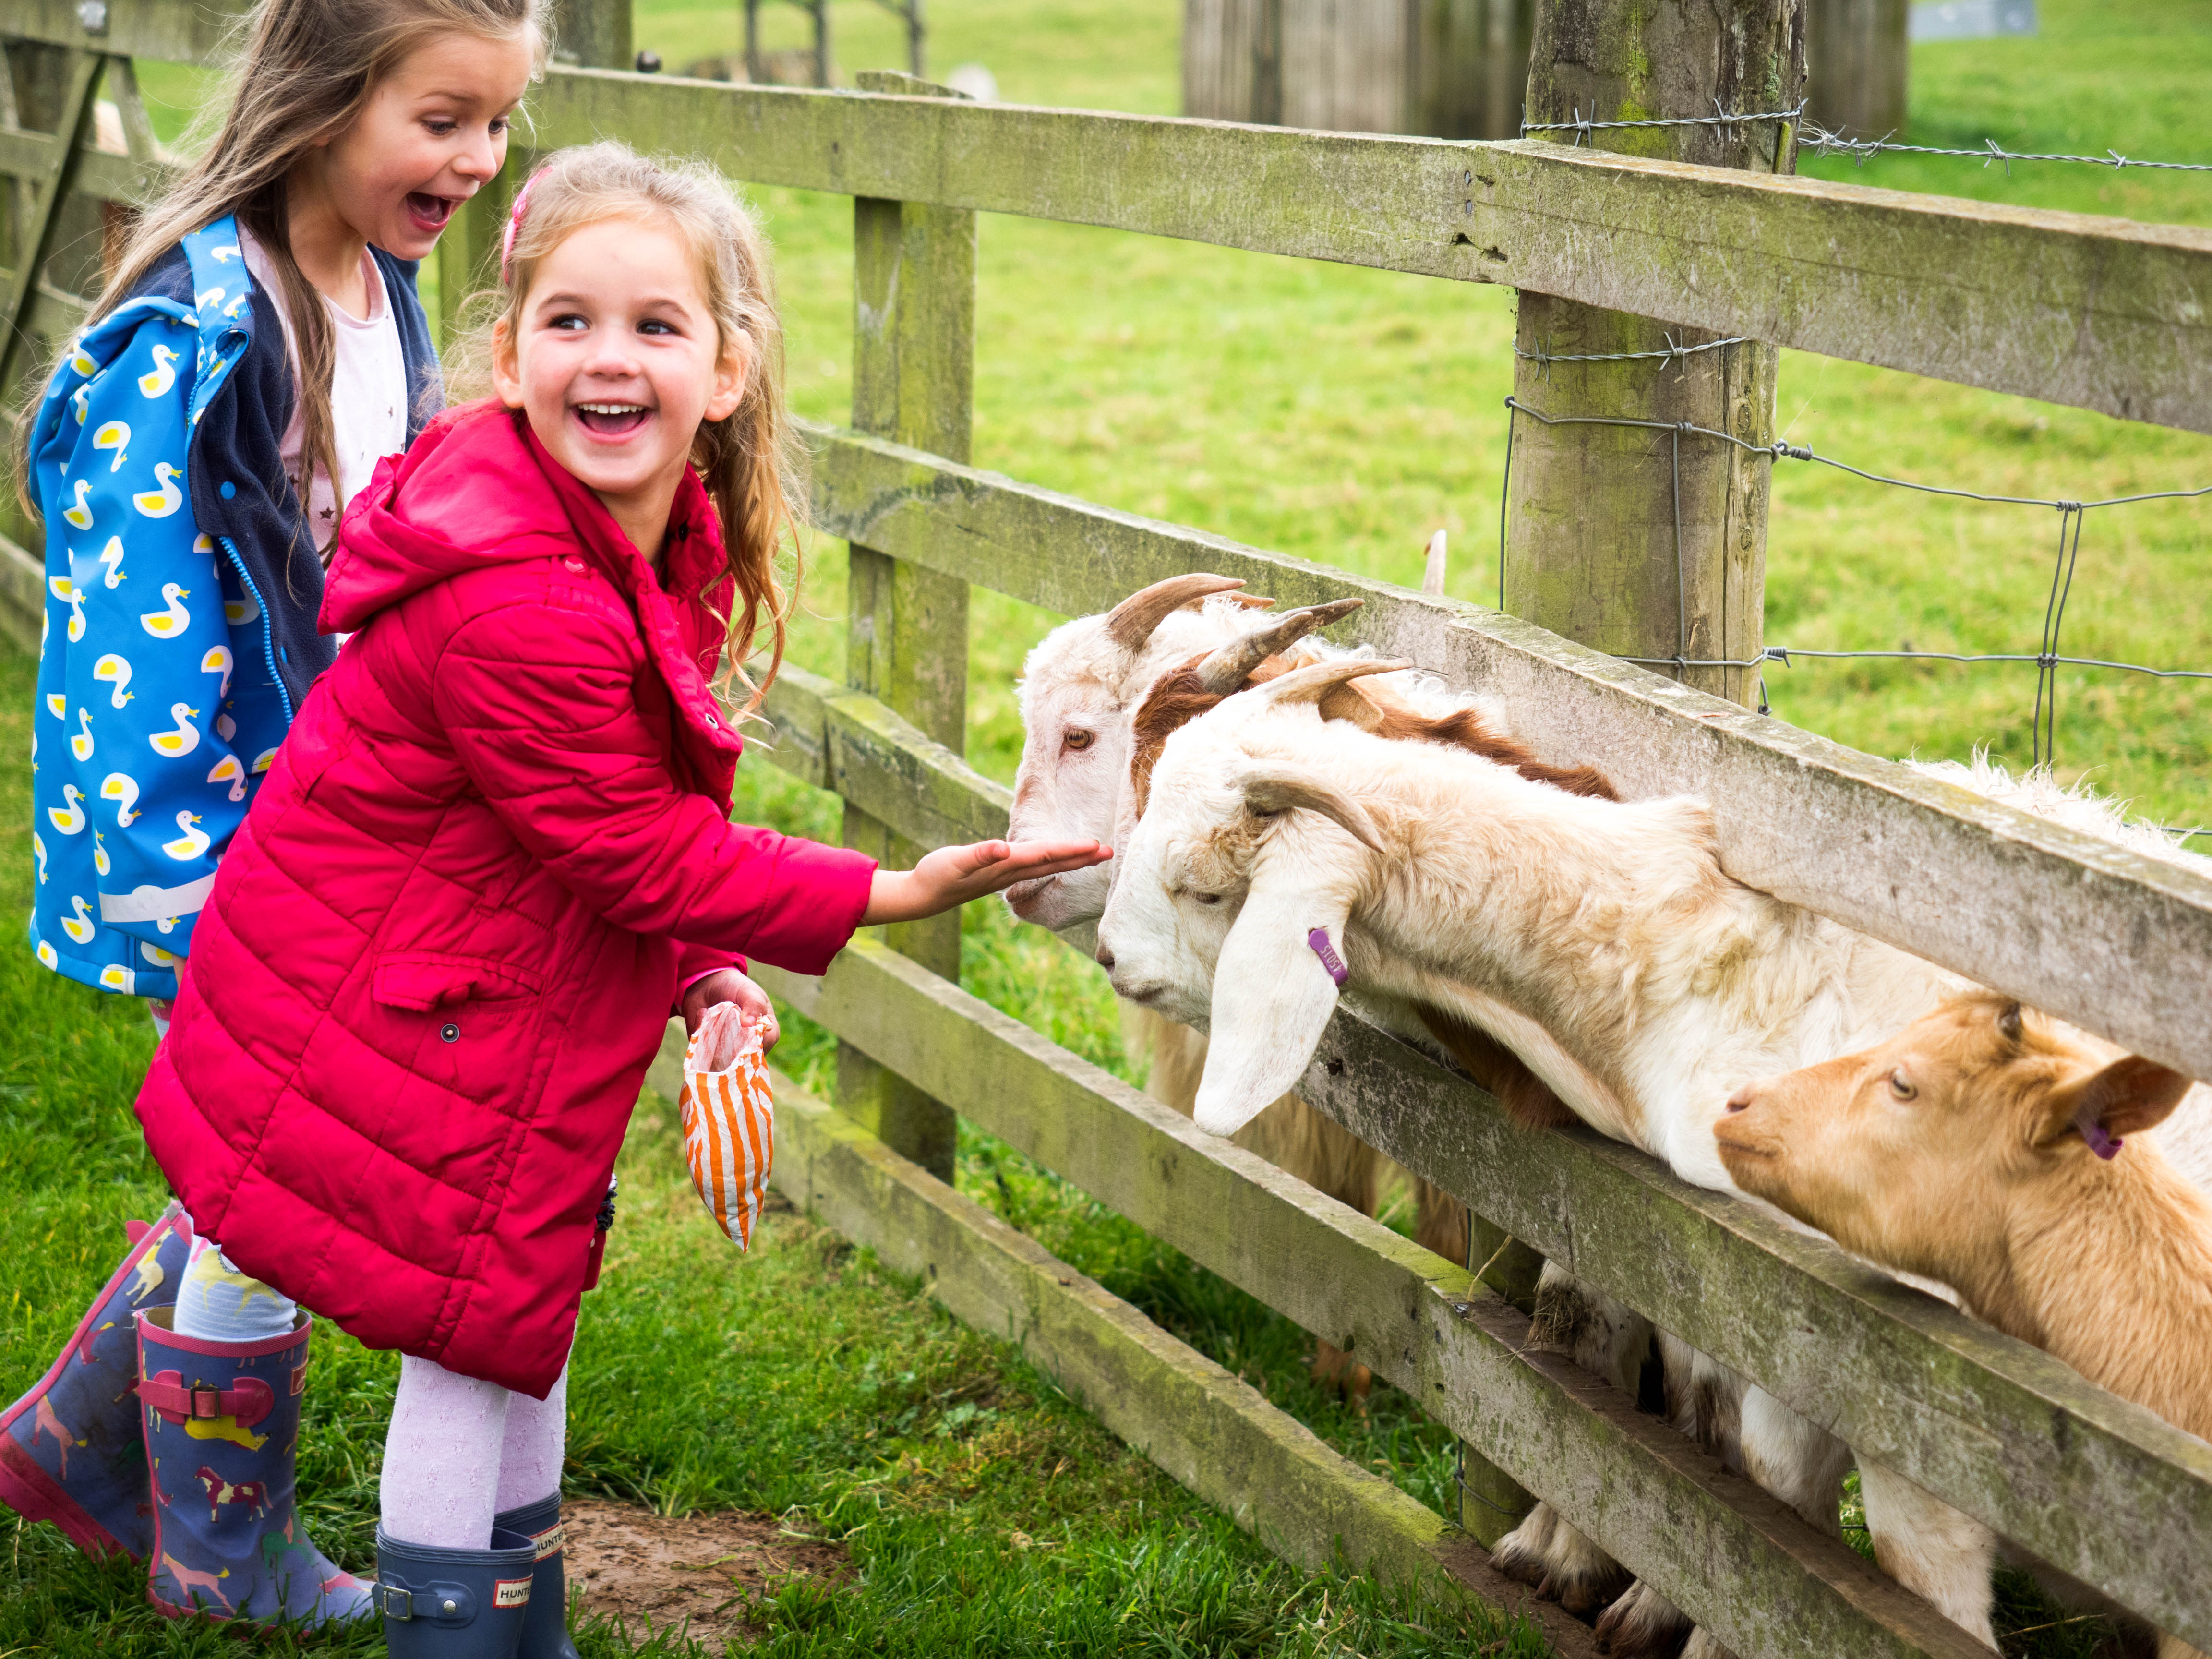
2101,313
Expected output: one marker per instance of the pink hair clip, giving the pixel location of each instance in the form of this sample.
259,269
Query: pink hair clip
515,221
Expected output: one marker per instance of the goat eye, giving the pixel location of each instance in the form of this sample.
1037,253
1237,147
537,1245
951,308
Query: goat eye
1078,739
1208,898
1900,1086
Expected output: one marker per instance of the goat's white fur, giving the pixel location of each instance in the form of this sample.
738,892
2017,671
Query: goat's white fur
1602,941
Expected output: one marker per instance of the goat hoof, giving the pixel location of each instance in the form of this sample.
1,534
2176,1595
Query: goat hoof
1580,1593
1643,1625
1518,1562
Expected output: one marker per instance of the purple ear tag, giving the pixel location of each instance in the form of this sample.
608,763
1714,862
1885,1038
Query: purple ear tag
2102,1141
1329,959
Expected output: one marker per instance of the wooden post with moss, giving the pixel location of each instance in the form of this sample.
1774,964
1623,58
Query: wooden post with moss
1611,539
914,319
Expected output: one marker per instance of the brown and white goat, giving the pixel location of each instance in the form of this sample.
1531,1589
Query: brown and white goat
1986,1148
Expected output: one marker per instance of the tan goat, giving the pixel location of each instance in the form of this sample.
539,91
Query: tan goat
1985,1149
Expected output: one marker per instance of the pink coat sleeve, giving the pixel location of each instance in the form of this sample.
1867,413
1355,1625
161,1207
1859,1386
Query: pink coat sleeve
536,700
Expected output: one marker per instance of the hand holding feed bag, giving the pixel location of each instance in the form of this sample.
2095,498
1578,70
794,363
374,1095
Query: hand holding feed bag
729,1119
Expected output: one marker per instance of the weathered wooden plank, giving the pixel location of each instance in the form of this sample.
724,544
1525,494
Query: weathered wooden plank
1728,1554
2117,942
167,31
1211,1431
36,236
835,737
1998,1429
2104,313
100,173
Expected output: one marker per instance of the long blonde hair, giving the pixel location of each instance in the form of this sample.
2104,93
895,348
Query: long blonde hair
749,461
306,70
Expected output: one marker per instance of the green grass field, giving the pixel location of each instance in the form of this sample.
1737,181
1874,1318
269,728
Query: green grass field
1334,413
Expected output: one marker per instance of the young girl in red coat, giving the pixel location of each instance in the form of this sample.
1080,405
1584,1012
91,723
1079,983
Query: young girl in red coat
495,855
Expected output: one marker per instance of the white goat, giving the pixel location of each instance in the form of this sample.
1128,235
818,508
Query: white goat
1600,940
1079,694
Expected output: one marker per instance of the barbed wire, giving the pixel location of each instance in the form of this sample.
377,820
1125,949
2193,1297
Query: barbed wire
1581,126
2047,657
1822,142
1543,357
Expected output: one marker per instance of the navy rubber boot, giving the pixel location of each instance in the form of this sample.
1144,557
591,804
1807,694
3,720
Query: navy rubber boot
71,1451
222,1425
545,1634
455,1604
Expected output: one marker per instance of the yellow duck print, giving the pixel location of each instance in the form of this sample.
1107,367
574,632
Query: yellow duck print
157,384
168,624
115,435
190,845
81,739
72,596
159,958
121,787
176,745
80,515
265,760
230,770
38,852
48,957
100,861
69,816
114,668
111,557
218,660
79,926
57,705
116,977
82,363
157,503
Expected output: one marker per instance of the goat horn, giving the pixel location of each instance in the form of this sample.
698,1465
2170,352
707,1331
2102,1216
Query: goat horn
1286,791
1226,668
1432,570
1311,682
1130,624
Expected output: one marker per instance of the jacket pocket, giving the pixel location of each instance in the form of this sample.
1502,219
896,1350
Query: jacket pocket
426,981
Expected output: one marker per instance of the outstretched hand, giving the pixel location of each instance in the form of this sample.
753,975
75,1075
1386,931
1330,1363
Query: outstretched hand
951,875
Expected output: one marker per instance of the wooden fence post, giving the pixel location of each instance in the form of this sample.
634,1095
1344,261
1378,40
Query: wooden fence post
593,33
914,321
1610,541
1858,59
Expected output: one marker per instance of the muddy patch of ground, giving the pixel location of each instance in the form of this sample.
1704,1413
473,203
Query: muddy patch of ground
655,1572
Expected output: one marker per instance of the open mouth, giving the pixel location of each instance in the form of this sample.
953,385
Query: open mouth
430,213
611,420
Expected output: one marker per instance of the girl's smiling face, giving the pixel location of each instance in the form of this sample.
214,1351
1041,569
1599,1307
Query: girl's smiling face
432,134
615,360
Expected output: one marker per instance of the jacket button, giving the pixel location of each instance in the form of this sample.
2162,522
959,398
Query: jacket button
229,490
450,1031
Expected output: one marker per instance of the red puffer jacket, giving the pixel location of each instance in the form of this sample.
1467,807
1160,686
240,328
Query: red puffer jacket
442,948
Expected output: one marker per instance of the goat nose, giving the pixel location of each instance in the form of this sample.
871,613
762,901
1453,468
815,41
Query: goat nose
1741,1097
1106,958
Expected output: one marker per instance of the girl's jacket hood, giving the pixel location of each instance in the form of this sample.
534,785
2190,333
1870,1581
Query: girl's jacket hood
448,937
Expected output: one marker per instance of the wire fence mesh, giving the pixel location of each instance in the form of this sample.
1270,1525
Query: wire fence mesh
2047,657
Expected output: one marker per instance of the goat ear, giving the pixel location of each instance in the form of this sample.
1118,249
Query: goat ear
2130,1095
1267,792
1272,994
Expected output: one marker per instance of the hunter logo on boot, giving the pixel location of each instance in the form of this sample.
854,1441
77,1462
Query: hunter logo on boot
511,1593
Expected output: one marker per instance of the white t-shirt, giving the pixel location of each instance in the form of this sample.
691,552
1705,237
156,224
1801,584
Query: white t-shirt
369,390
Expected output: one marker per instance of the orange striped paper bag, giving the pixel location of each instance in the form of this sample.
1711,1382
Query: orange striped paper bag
729,1119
